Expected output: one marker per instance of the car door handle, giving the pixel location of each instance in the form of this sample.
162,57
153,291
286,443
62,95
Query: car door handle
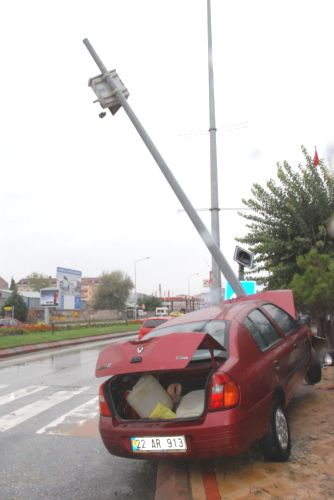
276,364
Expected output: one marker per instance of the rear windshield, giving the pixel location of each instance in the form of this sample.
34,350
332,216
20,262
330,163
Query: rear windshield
218,329
152,323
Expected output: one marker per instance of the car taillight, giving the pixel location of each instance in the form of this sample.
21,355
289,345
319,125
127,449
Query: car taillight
223,392
104,408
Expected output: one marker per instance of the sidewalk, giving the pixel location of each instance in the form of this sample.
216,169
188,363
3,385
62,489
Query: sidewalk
307,474
13,351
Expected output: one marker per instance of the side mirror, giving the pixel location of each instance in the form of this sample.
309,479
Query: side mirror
305,319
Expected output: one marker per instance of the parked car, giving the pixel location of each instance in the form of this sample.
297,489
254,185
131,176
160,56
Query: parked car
210,383
9,322
150,323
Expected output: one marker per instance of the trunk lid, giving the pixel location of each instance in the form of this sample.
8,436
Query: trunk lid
168,352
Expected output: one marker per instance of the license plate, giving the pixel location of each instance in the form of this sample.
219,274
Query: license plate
156,444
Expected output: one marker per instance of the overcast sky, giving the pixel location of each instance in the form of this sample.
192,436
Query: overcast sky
85,193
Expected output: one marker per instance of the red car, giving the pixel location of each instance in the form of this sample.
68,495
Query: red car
209,383
150,323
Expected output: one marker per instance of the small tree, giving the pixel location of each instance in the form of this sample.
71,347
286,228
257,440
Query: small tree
112,291
32,315
151,302
12,285
313,288
20,309
37,281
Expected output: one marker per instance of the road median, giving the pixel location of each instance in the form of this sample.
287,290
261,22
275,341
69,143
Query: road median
56,343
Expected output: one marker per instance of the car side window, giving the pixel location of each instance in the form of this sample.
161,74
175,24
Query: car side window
261,329
283,319
254,332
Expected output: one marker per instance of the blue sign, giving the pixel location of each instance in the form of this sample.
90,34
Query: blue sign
248,286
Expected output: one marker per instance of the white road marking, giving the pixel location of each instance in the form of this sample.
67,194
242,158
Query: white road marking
26,412
21,393
73,418
3,386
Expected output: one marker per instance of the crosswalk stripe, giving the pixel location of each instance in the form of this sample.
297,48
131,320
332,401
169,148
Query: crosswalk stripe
31,410
8,398
73,418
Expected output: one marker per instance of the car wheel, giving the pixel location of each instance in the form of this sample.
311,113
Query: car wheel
276,445
313,376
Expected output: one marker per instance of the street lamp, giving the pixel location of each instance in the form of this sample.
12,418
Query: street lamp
138,260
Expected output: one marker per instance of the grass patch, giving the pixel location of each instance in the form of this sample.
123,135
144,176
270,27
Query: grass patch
12,340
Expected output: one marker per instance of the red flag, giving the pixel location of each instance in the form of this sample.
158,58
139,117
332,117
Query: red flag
316,158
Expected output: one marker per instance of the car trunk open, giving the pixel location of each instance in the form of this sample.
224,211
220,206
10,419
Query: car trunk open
166,395
168,352
166,383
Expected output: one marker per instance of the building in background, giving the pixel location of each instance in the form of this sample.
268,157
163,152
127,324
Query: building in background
3,284
30,298
4,294
88,289
182,303
23,284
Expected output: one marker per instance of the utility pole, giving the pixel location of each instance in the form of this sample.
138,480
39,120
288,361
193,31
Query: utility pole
216,276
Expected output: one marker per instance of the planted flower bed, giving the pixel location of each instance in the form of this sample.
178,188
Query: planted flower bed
24,328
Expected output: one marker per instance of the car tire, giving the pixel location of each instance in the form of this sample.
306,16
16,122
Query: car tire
276,444
313,376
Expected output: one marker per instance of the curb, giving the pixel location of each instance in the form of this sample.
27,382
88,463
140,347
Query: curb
172,481
12,351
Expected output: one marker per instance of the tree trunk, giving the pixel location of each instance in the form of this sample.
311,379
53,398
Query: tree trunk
330,332
320,321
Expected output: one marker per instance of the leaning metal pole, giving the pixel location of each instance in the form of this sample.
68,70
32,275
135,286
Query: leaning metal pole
216,276
189,209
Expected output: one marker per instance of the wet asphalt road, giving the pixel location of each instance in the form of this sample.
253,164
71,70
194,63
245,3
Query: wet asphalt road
49,442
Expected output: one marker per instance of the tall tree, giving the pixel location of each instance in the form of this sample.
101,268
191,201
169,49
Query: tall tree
37,281
287,219
112,291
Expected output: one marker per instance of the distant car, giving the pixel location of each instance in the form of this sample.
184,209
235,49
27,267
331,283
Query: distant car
150,323
9,322
210,383
161,311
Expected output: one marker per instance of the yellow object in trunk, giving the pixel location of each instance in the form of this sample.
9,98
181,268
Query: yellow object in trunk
161,411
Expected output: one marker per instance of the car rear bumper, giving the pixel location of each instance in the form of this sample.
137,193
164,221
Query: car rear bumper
223,433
